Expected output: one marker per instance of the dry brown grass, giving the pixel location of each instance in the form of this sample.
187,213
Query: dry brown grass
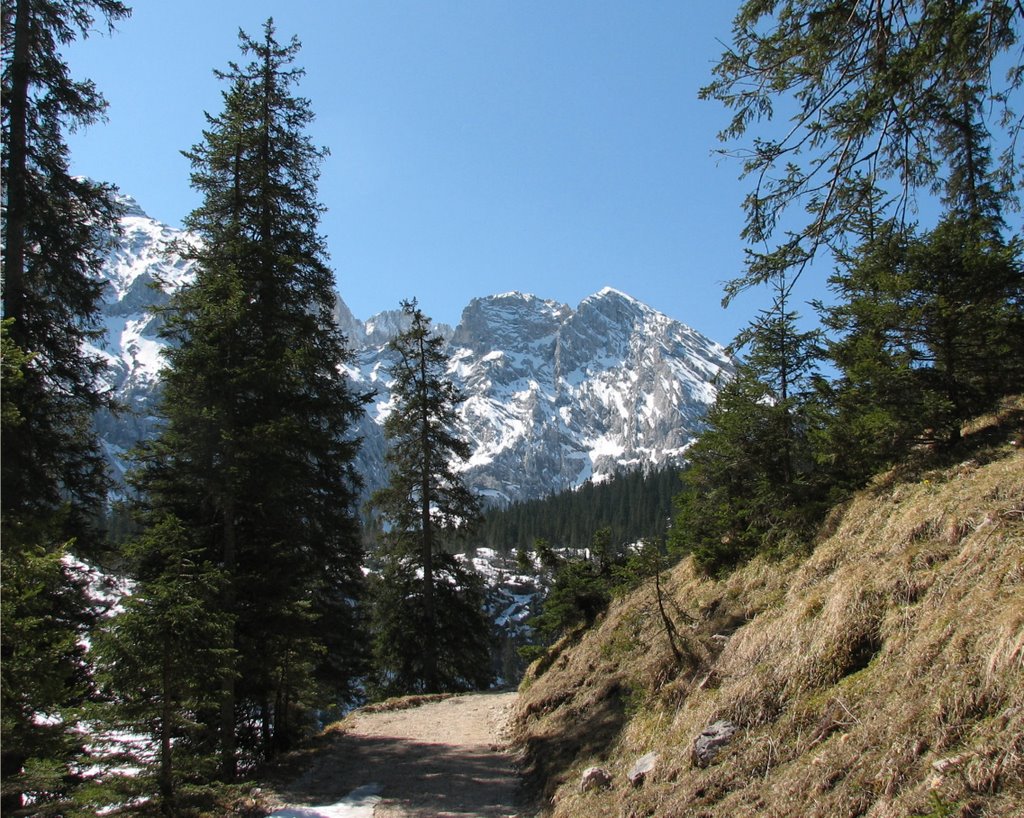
881,676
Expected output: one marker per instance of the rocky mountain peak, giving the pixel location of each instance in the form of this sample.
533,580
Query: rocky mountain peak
132,209
554,395
511,320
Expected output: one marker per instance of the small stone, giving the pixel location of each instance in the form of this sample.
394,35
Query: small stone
943,765
595,778
642,768
711,740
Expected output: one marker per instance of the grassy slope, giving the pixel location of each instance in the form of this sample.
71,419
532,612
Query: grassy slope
882,676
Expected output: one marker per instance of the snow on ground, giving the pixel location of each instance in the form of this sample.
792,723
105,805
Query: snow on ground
357,804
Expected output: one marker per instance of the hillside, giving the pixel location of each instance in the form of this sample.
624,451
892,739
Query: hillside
882,675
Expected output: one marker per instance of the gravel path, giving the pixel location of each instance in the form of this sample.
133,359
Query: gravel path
444,758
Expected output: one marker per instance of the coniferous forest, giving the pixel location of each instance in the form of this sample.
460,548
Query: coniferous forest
244,618
633,506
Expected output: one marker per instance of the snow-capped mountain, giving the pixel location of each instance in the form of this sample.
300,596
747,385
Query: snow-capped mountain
140,274
554,395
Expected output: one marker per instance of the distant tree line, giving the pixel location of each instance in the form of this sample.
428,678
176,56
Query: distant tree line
630,505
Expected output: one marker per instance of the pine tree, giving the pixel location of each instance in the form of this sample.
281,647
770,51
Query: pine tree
581,585
928,333
889,101
256,454
158,653
751,485
458,631
55,228
53,474
425,501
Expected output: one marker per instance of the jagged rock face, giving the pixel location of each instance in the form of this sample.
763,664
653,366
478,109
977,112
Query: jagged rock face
554,396
140,275
558,396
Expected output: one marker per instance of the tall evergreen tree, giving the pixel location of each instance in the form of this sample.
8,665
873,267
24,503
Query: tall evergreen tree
425,501
256,454
54,229
751,485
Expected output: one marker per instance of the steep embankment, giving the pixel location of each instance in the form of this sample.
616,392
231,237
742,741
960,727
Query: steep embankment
883,675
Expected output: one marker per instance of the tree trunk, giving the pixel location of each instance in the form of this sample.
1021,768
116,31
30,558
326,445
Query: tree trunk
166,775
17,172
228,762
267,724
430,647
670,628
12,761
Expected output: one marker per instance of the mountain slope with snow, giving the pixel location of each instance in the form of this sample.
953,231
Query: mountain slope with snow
554,395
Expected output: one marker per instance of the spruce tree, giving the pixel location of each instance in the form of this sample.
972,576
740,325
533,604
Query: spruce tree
752,483
888,102
425,600
55,230
255,457
928,332
581,586
157,655
54,482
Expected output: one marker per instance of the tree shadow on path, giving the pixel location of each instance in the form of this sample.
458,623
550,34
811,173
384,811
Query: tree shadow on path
418,779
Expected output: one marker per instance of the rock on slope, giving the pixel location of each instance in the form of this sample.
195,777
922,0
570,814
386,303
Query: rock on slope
883,675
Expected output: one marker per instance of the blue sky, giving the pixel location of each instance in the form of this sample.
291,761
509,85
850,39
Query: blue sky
476,147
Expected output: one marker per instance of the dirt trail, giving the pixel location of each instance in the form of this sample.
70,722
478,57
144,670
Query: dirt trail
442,758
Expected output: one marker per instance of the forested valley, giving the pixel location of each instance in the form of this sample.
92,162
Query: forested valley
234,617
634,506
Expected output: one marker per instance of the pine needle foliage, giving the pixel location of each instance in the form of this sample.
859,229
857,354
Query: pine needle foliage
887,103
54,229
896,94
55,241
927,332
157,655
255,457
752,484
423,593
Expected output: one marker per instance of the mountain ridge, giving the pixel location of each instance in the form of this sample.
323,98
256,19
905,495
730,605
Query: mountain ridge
555,396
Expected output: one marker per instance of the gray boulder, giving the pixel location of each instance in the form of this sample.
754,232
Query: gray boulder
595,778
712,739
643,767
